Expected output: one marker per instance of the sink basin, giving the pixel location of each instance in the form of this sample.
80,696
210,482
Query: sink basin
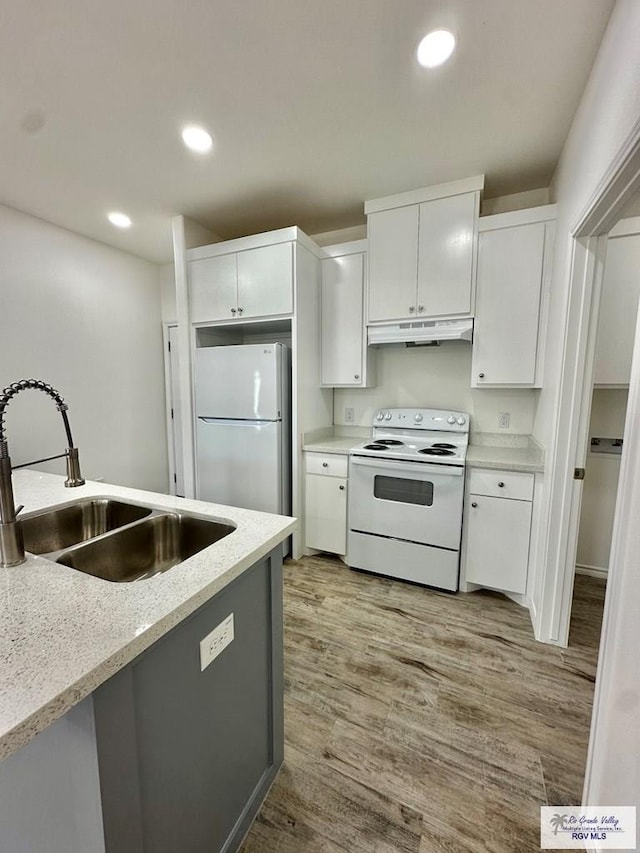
61,528
146,548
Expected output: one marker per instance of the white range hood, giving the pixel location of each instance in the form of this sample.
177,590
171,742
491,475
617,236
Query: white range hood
421,332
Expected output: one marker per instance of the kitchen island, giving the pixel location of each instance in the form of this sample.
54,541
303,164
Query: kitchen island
96,674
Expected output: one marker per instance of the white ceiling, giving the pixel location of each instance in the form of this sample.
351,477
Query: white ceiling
315,105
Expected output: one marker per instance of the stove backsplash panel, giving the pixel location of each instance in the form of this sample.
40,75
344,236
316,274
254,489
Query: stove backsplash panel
437,377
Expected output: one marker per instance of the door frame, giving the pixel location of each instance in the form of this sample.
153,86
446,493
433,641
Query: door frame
169,407
588,245
588,238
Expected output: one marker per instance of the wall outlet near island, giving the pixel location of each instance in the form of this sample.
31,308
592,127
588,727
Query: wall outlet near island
504,419
348,415
216,641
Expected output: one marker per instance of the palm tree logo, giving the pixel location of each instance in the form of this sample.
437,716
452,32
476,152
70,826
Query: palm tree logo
558,822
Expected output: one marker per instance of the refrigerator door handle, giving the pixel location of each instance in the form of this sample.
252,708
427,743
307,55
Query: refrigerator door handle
235,421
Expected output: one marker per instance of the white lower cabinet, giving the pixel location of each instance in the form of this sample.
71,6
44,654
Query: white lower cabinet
325,520
497,529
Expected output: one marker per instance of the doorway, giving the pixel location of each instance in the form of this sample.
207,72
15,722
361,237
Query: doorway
618,308
612,764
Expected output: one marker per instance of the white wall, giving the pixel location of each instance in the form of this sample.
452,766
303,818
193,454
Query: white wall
436,377
168,306
608,110
515,201
608,115
601,481
85,318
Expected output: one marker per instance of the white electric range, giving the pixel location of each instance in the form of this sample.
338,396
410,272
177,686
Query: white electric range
406,489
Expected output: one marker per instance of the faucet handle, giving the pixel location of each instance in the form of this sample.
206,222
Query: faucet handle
19,508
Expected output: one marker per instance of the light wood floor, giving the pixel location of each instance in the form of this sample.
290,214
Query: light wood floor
421,721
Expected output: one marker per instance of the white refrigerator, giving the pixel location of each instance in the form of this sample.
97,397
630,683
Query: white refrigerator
243,444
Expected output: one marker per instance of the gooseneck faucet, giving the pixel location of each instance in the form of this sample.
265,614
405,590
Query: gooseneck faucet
11,541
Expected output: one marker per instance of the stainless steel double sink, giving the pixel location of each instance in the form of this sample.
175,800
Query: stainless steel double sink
119,541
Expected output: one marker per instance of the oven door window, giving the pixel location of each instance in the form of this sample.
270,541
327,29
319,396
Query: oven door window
403,490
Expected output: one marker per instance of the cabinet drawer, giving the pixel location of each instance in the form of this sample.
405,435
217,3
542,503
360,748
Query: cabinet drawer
501,484
331,464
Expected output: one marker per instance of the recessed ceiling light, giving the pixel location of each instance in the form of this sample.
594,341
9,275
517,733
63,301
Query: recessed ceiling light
435,48
120,220
33,121
197,139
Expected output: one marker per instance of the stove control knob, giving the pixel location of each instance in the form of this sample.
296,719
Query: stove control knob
387,416
380,416
451,419
462,421
418,418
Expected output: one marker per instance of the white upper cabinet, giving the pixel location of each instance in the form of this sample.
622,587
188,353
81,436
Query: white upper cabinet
422,251
445,255
514,253
213,288
393,263
618,305
238,280
346,361
265,281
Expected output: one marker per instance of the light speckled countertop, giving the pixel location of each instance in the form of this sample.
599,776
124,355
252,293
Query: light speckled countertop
501,451
63,633
505,452
330,444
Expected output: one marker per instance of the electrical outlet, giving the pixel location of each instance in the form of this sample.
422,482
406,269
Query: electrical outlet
216,642
348,415
504,418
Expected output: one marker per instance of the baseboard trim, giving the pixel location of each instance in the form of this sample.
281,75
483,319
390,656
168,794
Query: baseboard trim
592,571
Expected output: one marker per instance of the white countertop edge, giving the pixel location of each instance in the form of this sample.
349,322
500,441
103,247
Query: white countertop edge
338,445
509,465
39,707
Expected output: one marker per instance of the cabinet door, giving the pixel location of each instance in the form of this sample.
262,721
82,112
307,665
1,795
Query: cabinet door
265,281
497,542
505,339
326,513
445,255
186,755
618,310
342,320
393,263
212,288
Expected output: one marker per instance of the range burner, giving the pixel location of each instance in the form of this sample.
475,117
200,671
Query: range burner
390,442
376,446
444,446
437,451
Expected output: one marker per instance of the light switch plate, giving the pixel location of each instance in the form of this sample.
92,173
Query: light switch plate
216,642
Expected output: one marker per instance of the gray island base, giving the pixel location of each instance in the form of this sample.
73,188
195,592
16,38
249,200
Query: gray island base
163,757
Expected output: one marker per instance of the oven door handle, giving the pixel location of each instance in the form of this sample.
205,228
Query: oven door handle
417,468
